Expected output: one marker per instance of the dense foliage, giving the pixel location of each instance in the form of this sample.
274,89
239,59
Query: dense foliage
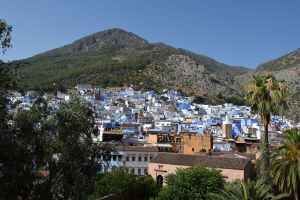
15,164
5,76
125,186
191,183
5,35
99,67
74,164
32,141
61,143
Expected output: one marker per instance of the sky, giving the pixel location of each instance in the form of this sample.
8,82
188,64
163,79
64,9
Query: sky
234,32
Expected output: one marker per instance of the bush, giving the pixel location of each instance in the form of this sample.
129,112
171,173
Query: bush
192,183
125,186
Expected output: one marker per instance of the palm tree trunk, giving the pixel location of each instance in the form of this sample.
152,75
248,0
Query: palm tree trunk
266,153
296,192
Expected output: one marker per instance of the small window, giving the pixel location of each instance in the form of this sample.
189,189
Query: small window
145,171
193,149
114,157
119,158
132,171
127,158
126,170
151,157
140,158
145,158
133,158
139,171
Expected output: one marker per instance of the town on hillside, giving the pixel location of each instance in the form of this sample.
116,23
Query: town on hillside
156,134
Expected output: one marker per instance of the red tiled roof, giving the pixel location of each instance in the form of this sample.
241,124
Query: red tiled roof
137,148
206,160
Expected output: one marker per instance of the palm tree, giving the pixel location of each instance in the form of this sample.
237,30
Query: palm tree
285,169
266,96
249,190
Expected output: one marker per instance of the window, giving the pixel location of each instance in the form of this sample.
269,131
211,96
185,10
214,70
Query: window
119,158
132,171
145,158
127,158
114,157
139,171
151,157
133,158
145,171
193,149
140,158
126,170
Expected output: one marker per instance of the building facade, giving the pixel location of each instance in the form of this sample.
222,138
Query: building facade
134,159
231,168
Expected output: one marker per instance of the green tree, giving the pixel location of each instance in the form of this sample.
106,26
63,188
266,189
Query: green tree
74,165
125,186
12,172
5,35
285,168
6,80
191,183
23,152
248,190
266,96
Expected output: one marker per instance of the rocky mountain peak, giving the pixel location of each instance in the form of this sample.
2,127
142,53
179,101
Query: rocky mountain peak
114,39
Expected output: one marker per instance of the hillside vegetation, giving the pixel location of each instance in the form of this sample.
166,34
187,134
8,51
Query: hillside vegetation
116,58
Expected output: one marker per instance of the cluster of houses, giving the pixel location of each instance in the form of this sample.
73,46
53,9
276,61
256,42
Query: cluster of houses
157,133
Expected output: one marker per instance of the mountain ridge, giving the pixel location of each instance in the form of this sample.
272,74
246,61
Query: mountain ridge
115,57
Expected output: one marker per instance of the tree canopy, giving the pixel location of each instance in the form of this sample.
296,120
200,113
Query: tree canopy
74,165
191,183
125,186
5,35
266,95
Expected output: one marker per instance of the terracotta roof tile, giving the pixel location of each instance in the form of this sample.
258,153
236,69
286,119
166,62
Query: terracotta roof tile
137,148
206,160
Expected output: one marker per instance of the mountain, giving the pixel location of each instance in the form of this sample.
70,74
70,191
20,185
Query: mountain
116,57
285,68
288,61
114,39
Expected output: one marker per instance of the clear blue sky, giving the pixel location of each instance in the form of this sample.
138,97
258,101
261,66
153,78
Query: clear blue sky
235,32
